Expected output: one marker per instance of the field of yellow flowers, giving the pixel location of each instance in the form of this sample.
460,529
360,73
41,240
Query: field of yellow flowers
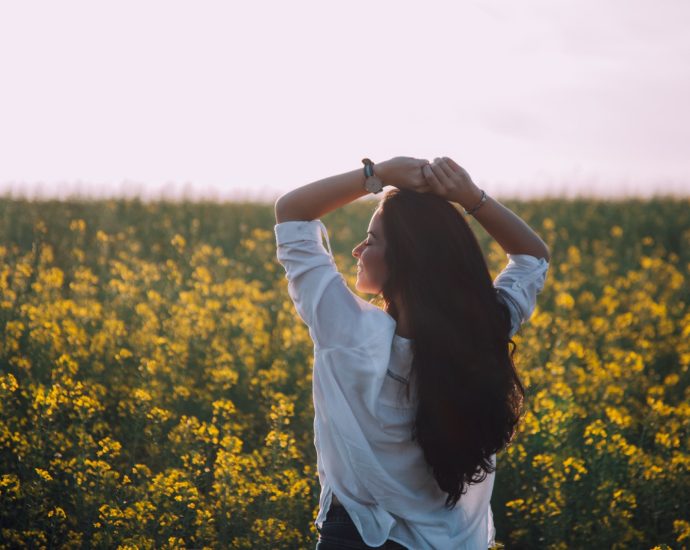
155,380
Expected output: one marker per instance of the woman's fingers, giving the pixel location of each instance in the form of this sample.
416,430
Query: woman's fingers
443,173
447,179
445,168
458,170
435,177
453,165
421,184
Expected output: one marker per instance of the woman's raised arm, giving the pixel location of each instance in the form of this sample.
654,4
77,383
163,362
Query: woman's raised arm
313,200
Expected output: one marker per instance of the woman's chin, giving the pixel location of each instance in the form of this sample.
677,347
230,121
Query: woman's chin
359,284
363,288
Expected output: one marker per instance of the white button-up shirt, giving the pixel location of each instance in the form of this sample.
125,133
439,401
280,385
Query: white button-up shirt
363,421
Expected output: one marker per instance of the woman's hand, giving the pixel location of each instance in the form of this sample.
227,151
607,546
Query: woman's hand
447,179
403,173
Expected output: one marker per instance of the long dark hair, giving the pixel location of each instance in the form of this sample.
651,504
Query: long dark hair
469,394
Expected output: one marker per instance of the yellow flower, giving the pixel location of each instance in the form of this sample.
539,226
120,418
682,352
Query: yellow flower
77,225
8,382
565,300
682,529
57,512
577,465
595,429
44,474
179,242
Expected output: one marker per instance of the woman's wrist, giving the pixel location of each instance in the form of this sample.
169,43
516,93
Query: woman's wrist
381,171
470,198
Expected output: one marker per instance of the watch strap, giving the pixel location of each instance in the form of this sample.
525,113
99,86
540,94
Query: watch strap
368,167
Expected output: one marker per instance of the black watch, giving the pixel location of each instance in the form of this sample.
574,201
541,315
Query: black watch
372,182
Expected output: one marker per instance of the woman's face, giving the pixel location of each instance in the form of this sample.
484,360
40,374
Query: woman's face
372,270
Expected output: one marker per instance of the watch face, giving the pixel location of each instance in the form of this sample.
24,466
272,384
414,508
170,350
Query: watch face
373,184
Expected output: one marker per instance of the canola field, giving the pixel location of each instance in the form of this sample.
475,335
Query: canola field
155,379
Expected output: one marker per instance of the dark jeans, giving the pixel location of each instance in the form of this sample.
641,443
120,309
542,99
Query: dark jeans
339,533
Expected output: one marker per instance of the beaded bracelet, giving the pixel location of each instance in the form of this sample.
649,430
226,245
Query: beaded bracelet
481,201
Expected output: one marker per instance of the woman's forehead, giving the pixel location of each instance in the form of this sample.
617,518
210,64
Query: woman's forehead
375,225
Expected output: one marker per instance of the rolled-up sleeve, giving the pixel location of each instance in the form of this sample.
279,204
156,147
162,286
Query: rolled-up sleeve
334,314
518,285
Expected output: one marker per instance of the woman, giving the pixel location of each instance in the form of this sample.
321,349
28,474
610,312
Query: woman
412,402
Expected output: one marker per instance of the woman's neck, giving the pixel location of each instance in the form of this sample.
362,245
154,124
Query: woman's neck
402,324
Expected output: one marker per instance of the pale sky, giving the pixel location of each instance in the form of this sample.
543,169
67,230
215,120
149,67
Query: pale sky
251,99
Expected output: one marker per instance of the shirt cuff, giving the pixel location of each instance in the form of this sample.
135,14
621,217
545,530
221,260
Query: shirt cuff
299,230
527,260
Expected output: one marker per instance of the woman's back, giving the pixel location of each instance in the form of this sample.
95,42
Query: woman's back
363,418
